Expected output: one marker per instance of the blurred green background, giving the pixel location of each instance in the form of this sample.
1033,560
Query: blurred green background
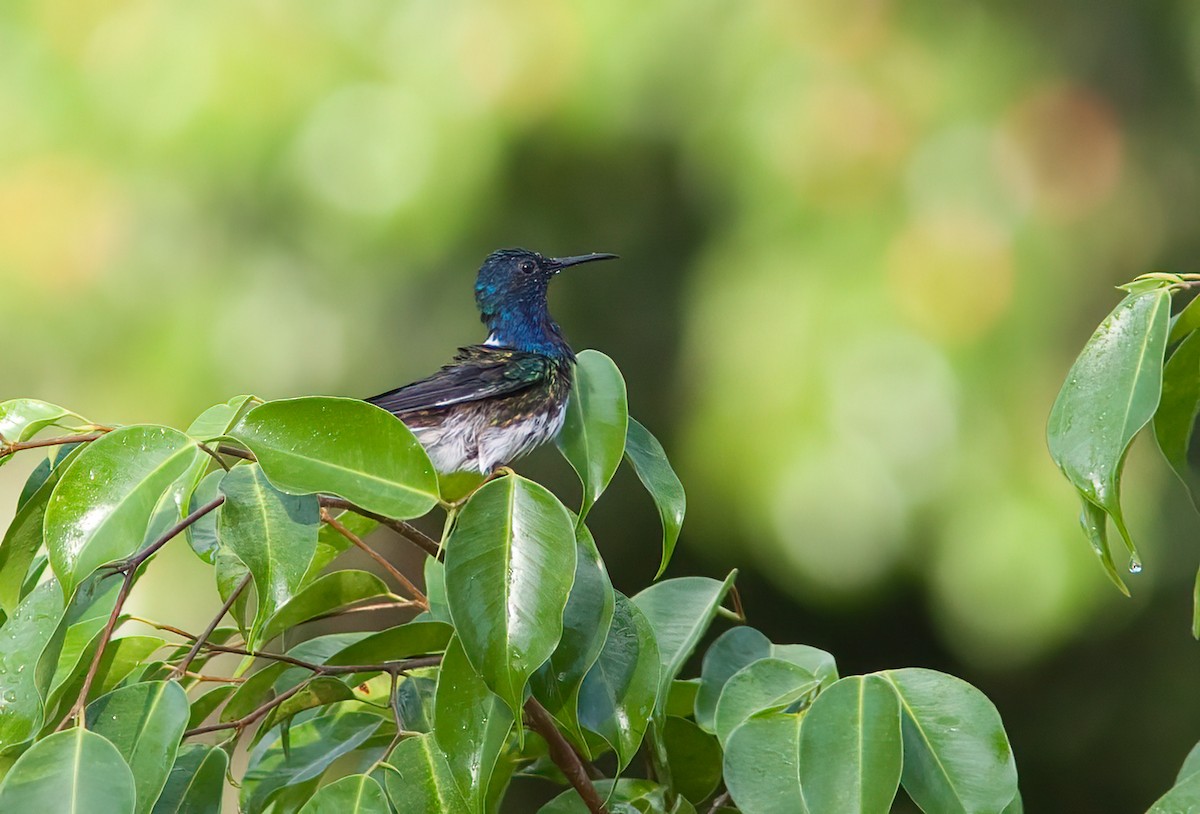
862,241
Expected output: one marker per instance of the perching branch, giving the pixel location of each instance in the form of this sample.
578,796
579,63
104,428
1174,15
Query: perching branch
182,667
563,755
60,440
129,568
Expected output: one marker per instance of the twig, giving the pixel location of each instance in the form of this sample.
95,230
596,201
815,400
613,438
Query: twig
199,641
220,679
251,717
406,530
720,800
397,604
204,448
413,590
17,446
563,755
236,452
129,568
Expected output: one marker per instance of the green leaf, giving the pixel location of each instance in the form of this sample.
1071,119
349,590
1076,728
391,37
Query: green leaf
619,692
319,692
649,461
435,590
816,661
202,535
694,757
472,724
328,593
120,659
258,688
730,652
679,612
24,535
145,722
28,653
956,754
593,432
762,769
420,781
21,419
218,420
624,796
1175,419
764,685
396,643
102,506
1111,392
274,534
313,746
681,699
228,572
1094,523
196,781
74,772
345,447
850,749
207,703
1182,798
331,543
510,562
356,794
586,620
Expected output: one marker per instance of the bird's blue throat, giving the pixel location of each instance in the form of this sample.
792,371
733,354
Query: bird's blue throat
527,328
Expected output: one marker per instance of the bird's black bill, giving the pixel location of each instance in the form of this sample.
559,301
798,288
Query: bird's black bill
557,264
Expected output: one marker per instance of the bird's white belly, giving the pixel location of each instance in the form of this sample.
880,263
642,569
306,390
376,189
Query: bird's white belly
467,440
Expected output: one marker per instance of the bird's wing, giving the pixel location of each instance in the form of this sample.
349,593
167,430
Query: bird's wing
478,372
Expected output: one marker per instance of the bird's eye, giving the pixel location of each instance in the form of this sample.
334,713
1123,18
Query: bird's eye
527,266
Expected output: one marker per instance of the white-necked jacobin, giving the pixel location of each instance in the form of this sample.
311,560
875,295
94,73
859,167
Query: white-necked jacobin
497,401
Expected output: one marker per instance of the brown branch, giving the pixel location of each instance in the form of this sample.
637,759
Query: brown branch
564,755
236,452
254,715
406,530
199,641
413,590
204,448
129,568
17,446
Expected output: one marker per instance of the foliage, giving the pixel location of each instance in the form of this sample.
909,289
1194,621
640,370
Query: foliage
1140,367
521,659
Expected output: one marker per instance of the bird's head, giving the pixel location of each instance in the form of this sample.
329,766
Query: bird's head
511,294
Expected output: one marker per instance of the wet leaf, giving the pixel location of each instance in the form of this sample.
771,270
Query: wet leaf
420,781
593,433
196,781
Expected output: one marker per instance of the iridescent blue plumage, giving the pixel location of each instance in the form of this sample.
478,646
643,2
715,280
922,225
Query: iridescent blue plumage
499,400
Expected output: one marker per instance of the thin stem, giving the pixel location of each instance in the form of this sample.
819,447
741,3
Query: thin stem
406,530
563,755
17,446
720,800
219,679
413,590
236,452
129,568
254,715
214,456
182,667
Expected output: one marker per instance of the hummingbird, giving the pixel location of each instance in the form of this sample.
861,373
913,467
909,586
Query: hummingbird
501,399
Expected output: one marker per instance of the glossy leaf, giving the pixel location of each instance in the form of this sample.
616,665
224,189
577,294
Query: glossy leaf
624,796
206,704
510,563
319,692
328,593
274,534
649,460
24,536
28,653
586,620
345,447
762,769
619,692
472,724
396,643
956,754
420,782
816,661
850,748
313,746
1094,523
219,419
121,658
73,772
145,722
435,590
679,612
21,419
102,506
356,794
593,432
196,781
1111,392
694,757
766,684
229,571
730,652
1175,419
202,534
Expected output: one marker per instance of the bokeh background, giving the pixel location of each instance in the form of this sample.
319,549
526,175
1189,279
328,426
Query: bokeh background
862,241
